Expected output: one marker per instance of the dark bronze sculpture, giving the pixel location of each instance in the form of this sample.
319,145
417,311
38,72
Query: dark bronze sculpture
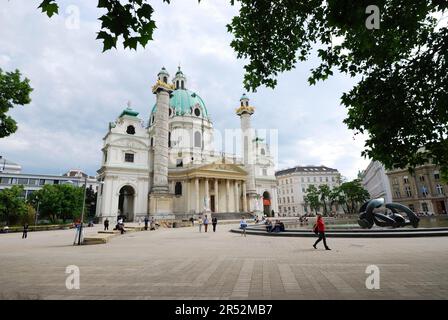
367,216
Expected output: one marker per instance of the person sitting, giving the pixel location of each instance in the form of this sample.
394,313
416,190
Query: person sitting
268,225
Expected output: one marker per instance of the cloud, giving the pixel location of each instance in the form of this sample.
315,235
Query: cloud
78,90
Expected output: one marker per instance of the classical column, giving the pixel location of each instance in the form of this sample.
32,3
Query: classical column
227,195
207,196
216,196
196,184
244,197
237,197
160,198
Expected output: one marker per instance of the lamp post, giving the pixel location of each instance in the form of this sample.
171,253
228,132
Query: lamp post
82,212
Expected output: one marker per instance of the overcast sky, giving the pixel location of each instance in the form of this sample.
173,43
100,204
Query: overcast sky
78,90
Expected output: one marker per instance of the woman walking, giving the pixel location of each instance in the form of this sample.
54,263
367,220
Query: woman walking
243,225
320,228
205,223
200,224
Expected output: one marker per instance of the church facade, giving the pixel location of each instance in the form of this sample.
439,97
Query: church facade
169,168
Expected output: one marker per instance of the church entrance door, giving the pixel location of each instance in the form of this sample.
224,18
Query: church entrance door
126,203
212,203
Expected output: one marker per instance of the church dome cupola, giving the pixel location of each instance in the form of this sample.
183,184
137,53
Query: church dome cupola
163,75
180,81
244,100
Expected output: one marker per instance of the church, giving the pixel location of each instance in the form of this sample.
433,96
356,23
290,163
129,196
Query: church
168,168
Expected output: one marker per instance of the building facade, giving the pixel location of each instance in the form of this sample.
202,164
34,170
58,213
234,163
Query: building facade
376,181
421,191
7,166
169,168
34,182
292,184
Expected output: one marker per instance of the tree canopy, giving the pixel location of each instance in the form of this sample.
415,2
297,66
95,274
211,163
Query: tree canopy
400,101
12,205
13,91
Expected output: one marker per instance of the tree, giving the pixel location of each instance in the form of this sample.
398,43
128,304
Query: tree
12,205
324,196
130,19
60,201
13,91
401,98
312,198
353,195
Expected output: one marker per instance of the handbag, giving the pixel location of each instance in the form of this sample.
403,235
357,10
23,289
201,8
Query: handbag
315,230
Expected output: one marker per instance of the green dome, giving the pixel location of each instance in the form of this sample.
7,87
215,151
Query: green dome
182,101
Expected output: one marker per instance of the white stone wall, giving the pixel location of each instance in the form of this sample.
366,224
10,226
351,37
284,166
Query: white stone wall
376,182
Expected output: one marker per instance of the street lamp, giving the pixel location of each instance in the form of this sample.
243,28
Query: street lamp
37,214
82,212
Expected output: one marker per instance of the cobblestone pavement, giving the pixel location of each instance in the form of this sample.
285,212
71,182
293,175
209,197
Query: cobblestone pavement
185,264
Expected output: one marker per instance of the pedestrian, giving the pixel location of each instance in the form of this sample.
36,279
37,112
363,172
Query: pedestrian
106,224
152,224
205,223
243,225
192,221
139,221
320,229
200,224
146,222
25,231
214,223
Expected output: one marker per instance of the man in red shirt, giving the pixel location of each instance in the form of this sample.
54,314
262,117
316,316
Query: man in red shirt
320,226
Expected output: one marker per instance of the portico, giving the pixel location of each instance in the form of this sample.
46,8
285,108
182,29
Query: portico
211,188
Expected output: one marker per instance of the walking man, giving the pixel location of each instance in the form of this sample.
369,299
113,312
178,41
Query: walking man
214,223
146,222
106,224
25,231
320,228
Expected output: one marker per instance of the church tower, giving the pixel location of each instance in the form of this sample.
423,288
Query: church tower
245,111
180,81
160,199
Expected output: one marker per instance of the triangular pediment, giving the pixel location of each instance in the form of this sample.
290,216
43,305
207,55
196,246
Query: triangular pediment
223,167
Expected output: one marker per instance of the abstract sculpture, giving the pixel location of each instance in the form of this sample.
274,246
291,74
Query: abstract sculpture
367,216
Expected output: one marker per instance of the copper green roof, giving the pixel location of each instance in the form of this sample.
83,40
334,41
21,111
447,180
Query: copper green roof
182,100
129,112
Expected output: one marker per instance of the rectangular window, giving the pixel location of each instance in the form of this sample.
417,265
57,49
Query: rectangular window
436,175
33,182
41,182
405,179
5,180
425,207
22,181
265,172
408,191
129,157
421,178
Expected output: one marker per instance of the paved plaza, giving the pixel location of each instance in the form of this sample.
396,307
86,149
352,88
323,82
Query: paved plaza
185,264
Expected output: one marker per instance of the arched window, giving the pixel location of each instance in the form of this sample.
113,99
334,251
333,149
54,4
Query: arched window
169,139
197,139
178,189
247,103
197,112
130,130
170,112
182,84
242,104
177,84
165,79
262,151
152,141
